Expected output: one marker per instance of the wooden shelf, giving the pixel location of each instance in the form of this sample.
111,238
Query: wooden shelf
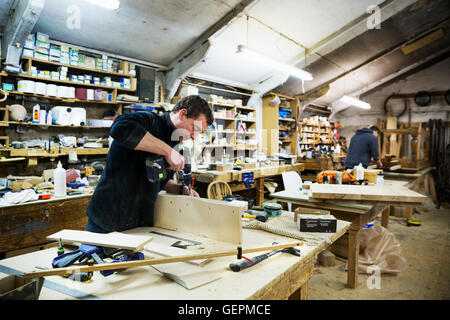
78,67
287,119
246,108
65,100
222,104
63,152
246,120
12,159
224,118
73,83
53,125
218,146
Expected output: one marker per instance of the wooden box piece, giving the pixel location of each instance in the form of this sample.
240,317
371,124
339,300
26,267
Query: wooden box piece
215,219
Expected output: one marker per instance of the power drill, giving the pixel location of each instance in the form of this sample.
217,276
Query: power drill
156,168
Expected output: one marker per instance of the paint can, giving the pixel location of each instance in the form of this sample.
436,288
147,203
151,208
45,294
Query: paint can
40,88
52,90
62,92
90,94
25,86
81,93
71,92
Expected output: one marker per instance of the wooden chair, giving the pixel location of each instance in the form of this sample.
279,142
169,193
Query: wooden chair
218,190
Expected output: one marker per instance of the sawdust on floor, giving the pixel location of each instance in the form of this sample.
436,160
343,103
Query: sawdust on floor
426,249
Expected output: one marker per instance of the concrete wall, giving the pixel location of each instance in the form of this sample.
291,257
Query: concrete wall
434,78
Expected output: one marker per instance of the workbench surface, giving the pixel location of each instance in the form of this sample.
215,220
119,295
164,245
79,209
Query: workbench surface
208,176
279,277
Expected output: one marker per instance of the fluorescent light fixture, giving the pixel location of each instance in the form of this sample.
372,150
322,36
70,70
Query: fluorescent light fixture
108,4
296,72
355,102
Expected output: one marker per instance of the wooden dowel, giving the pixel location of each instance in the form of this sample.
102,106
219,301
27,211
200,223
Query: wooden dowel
148,262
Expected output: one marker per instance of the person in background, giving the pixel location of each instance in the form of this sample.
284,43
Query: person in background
363,147
124,198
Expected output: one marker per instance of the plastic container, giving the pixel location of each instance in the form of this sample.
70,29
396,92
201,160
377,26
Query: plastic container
43,115
380,179
59,181
359,172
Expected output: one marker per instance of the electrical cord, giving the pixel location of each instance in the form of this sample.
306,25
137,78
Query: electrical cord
405,106
5,95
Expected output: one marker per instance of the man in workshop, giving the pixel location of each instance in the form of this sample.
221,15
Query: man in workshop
363,147
124,197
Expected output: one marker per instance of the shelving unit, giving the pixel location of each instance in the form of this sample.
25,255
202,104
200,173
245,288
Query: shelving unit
281,131
32,154
234,127
311,134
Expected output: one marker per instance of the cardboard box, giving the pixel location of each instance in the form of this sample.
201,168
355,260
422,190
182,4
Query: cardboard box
325,223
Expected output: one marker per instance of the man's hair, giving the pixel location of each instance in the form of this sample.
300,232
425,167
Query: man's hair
195,106
374,128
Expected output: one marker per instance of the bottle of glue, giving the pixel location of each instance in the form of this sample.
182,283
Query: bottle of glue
59,181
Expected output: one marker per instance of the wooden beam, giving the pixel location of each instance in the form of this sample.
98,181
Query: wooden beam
422,42
149,262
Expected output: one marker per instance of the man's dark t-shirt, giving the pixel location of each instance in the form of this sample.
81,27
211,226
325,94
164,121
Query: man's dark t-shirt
363,147
124,198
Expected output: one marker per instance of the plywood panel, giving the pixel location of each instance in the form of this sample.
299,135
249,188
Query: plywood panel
110,240
366,193
215,219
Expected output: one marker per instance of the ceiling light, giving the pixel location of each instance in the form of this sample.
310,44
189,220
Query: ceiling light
296,72
355,102
108,4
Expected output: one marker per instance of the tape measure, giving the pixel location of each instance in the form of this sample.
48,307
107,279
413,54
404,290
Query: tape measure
272,208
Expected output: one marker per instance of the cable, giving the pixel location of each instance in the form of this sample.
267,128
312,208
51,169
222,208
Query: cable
405,106
5,94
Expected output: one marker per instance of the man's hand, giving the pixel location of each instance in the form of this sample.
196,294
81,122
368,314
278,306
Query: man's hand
175,160
190,192
379,164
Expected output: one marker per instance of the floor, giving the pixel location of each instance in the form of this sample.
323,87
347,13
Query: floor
426,249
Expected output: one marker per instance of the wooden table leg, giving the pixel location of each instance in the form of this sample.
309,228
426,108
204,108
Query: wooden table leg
304,292
385,216
353,259
259,184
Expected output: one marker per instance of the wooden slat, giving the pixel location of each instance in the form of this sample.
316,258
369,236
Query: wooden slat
366,193
110,240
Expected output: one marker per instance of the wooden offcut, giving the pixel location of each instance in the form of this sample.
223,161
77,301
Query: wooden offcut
110,240
367,193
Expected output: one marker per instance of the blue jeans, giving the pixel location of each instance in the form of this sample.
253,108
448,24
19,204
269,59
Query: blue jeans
92,227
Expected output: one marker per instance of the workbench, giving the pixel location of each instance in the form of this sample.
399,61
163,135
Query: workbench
24,226
359,215
234,178
282,276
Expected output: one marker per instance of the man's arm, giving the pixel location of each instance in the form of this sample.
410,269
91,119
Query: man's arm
149,143
130,131
374,152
